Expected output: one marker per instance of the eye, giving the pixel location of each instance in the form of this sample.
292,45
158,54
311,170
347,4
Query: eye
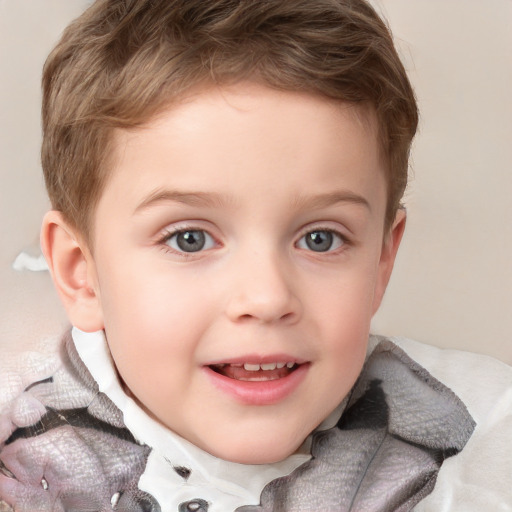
321,240
190,240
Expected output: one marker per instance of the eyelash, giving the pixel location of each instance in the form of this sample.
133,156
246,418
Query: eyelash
168,234
343,239
163,240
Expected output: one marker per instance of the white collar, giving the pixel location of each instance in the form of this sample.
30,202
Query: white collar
226,485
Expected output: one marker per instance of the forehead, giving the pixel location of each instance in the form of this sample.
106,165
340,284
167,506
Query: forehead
241,100
216,137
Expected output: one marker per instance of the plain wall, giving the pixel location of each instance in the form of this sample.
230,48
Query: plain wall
452,284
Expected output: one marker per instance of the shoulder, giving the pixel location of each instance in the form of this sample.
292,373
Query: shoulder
20,369
48,376
61,440
483,383
478,478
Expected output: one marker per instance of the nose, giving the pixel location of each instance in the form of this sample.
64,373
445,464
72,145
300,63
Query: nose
263,290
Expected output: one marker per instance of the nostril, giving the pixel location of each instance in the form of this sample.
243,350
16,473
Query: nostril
263,305
266,317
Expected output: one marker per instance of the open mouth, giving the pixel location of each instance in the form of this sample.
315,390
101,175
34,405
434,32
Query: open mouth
253,372
264,382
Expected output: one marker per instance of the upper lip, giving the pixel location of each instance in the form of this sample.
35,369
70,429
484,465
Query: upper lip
259,359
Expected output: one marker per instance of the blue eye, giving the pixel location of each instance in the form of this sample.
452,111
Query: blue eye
321,240
190,240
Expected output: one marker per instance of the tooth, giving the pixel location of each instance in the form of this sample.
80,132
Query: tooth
280,365
268,366
290,365
258,378
251,367
238,365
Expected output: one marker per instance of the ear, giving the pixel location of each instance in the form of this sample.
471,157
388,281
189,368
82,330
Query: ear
72,268
387,258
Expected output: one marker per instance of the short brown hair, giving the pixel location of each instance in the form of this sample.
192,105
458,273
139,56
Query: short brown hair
122,61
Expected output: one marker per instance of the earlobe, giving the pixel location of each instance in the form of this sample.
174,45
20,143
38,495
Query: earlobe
388,255
72,268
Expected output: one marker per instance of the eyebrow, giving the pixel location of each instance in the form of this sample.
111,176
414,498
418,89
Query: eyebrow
330,199
215,200
204,199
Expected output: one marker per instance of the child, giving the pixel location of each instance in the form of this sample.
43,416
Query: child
226,179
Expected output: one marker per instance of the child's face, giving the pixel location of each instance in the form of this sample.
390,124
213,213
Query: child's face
244,226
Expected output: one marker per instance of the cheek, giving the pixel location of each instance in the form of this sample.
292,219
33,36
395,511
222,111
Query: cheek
149,315
345,299
152,333
342,312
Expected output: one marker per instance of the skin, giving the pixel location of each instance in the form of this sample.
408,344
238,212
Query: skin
256,170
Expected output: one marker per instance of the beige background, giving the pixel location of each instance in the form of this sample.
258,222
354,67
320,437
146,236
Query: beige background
453,281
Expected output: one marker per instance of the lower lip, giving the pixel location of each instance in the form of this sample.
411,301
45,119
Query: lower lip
265,392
